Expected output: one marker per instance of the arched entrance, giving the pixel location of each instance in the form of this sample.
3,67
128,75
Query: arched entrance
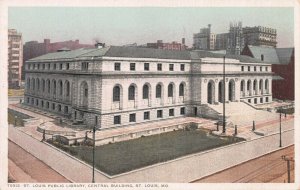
231,91
210,92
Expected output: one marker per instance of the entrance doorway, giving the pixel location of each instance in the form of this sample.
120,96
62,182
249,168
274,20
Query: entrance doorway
210,92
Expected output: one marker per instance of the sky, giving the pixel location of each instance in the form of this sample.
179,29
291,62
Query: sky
126,25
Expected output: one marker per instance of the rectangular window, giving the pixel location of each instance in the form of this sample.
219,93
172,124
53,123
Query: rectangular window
60,66
53,106
84,66
242,68
248,68
159,113
260,68
261,100
38,66
266,68
54,67
117,66
182,67
146,66
267,99
132,66
254,68
132,117
44,66
182,111
159,66
48,66
47,105
117,119
67,66
171,67
249,100
146,115
171,112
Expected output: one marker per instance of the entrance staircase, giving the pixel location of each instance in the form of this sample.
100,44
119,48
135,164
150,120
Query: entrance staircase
241,114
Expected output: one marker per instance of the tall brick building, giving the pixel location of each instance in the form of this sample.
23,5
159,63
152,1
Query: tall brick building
15,58
34,49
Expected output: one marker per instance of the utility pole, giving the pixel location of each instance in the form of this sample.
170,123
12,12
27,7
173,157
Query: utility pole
94,131
288,160
224,122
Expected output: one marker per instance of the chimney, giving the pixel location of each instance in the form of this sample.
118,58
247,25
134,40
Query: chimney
183,41
46,41
262,57
99,45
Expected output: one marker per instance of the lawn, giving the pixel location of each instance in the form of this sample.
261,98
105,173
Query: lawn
19,119
125,156
15,92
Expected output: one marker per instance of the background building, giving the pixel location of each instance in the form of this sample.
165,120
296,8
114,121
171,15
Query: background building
168,46
221,41
260,36
205,39
34,49
15,58
283,65
235,39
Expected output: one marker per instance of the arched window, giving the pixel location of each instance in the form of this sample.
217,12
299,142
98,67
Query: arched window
131,92
28,84
181,89
67,84
145,91
158,91
48,86
116,94
60,87
43,85
170,90
33,84
260,84
54,87
242,85
248,84
38,84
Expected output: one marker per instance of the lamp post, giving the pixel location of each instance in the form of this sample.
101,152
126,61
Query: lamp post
288,160
224,122
15,121
280,143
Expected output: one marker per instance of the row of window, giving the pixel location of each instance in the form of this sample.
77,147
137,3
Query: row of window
146,91
132,67
35,84
159,115
46,105
260,100
254,68
47,66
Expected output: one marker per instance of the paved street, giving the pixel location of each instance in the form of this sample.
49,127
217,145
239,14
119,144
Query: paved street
266,169
25,168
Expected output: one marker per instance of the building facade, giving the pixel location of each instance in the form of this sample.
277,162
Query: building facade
235,39
15,58
260,36
119,86
283,65
168,46
205,39
34,49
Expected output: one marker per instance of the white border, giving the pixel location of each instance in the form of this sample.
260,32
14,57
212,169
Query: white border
4,4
